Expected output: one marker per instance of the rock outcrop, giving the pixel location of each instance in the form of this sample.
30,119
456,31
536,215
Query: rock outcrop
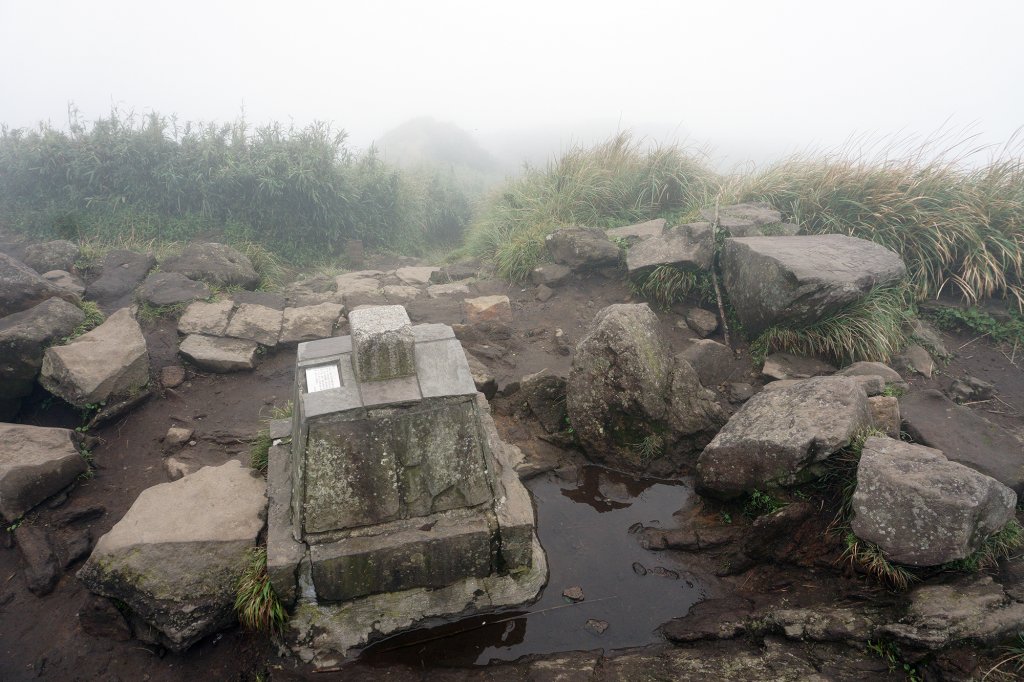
56,255
582,248
171,288
122,272
214,263
687,247
21,287
754,219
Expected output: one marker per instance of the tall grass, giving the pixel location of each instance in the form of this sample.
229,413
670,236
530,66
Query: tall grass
960,229
614,183
300,190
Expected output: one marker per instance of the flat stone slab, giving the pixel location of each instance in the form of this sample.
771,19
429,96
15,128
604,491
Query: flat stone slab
452,289
801,280
206,318
751,219
778,434
35,463
920,508
415,276
175,556
397,294
218,354
254,322
364,282
171,288
964,436
488,309
122,272
107,364
638,232
310,322
687,247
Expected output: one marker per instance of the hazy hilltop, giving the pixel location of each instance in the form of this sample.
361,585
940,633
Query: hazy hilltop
427,141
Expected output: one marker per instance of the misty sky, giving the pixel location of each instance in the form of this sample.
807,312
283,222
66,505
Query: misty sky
749,79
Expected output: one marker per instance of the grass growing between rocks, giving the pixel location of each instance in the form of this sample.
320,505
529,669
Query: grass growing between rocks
259,451
93,318
1000,545
870,329
256,603
668,285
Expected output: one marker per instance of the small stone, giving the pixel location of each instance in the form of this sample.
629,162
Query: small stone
704,323
551,274
177,436
453,289
172,376
713,361
971,389
781,366
596,626
544,293
916,359
42,568
177,467
574,593
488,309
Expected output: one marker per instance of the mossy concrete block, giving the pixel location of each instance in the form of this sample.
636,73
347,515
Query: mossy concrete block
382,343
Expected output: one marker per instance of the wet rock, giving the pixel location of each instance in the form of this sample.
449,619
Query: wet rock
828,624
632,234
915,358
76,548
105,365
545,395
922,509
888,375
280,428
778,435
801,280
122,271
964,437
42,567
400,294
65,280
713,361
574,593
100,618
630,402
35,463
710,619
969,609
687,247
257,323
216,354
581,248
172,376
22,288
752,219
213,263
206,318
416,276
783,366
702,322
971,389
171,288
596,626
788,535
309,323
176,437
482,377
488,309
550,274
544,293
691,539
24,337
444,290
885,415
174,568
56,255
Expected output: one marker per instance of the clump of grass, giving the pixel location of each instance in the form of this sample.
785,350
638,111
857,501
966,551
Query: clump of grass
872,560
615,183
256,603
283,412
870,329
999,545
760,503
259,451
149,313
93,318
649,448
890,652
1014,656
667,285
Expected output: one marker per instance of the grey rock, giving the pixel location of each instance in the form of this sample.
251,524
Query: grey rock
826,624
778,435
221,355
122,271
267,299
710,619
382,343
629,401
574,593
174,568
544,293
363,282
56,255
443,290
702,322
638,232
782,366
171,288
258,323
550,274
23,338
885,415
964,436
176,437
206,318
801,280
415,276
922,509
22,288
214,263
397,294
454,273
740,392
890,376
687,247
65,280
582,248
42,566
35,464
107,364
545,396
915,358
483,379
970,389
172,376
752,219
926,335
713,361
308,323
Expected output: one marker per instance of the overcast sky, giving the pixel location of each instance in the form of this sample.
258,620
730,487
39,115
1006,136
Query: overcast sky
749,79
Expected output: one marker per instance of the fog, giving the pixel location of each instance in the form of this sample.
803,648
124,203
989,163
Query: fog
749,81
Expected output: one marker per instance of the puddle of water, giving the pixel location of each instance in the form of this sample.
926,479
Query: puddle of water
587,529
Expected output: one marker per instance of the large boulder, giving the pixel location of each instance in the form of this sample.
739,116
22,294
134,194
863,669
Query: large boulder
964,436
171,288
21,287
25,335
214,263
175,556
56,255
35,463
629,401
582,248
687,247
800,280
778,436
922,509
122,271
102,366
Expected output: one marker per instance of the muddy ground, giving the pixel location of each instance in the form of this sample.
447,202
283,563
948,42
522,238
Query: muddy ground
41,637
